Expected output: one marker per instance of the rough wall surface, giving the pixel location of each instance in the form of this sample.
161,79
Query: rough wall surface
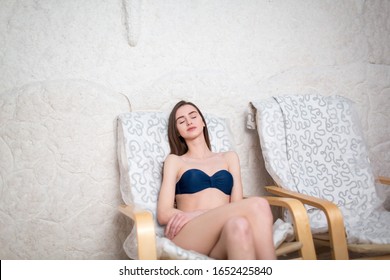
219,54
59,173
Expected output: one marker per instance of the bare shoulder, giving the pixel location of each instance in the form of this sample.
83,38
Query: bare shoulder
171,165
231,156
172,159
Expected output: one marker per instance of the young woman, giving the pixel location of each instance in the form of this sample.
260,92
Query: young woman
200,200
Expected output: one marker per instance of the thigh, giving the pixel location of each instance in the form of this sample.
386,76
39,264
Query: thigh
202,233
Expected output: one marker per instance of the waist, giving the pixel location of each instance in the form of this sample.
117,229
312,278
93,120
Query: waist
205,199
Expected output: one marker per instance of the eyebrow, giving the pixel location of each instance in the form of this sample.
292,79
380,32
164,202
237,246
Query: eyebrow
188,114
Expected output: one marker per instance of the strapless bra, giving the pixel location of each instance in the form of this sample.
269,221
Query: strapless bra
195,180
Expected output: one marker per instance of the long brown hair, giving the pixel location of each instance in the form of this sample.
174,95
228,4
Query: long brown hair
176,142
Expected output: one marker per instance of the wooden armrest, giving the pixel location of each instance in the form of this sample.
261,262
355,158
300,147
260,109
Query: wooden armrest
333,215
146,234
300,222
384,180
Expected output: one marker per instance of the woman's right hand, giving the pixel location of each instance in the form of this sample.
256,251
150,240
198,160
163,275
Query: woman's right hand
176,223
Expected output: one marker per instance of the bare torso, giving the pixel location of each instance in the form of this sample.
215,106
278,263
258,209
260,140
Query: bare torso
208,198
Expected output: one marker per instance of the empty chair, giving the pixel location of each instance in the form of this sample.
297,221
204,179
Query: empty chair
314,150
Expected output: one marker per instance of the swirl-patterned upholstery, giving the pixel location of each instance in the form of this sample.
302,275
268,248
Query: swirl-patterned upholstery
314,145
142,149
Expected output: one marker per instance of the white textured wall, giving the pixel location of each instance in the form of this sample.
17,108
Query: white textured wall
219,54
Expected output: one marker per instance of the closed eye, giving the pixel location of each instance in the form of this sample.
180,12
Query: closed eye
193,115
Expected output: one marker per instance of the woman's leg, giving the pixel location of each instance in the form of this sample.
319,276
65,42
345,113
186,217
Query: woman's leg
210,232
235,241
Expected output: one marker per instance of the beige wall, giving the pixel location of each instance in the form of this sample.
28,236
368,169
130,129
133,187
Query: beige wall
219,54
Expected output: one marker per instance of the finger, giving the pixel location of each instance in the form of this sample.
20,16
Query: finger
179,223
171,229
168,229
174,225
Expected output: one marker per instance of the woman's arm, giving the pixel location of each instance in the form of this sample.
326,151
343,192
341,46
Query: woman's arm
235,169
167,214
166,200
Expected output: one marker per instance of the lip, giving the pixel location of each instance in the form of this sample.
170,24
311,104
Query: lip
191,128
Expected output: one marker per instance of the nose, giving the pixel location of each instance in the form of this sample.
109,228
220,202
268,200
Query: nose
189,122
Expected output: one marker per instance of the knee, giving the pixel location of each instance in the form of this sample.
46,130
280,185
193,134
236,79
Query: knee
238,229
258,206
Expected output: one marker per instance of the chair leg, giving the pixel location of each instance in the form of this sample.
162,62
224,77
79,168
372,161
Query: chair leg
146,235
300,222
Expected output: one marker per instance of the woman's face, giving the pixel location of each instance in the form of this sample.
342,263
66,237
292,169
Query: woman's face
189,122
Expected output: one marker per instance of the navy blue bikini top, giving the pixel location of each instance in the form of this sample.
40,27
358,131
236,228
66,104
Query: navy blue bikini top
195,180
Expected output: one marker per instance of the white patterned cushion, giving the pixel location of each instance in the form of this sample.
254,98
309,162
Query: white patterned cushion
313,144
